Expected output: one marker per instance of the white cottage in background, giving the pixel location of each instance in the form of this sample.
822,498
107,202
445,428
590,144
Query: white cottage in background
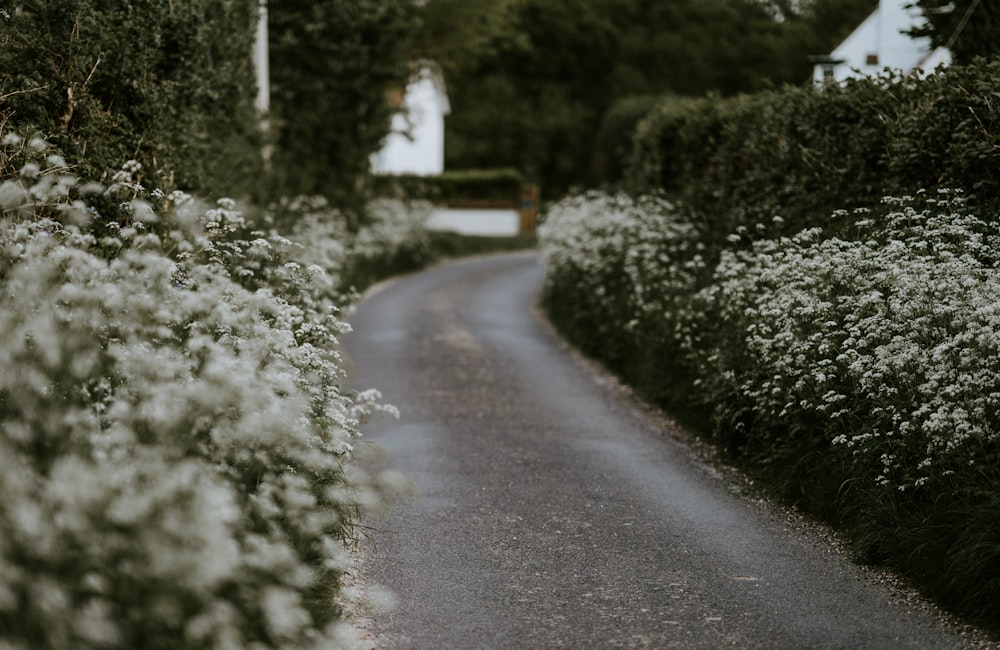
416,146
879,43
416,143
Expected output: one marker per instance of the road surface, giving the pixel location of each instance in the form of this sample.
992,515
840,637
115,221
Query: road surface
555,513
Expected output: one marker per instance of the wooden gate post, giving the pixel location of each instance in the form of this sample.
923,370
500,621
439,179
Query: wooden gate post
528,210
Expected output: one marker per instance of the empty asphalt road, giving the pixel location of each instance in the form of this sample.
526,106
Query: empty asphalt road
554,513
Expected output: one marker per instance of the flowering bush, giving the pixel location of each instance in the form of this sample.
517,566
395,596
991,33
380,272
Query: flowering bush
860,376
175,442
890,347
391,239
618,272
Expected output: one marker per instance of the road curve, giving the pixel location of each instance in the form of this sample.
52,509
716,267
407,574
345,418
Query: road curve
554,513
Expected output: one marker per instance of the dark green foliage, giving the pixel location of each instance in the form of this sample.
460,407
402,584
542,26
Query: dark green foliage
945,542
531,81
171,84
530,98
614,136
801,153
948,133
332,65
502,185
168,84
365,269
447,245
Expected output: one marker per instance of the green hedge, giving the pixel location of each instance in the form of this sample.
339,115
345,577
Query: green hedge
170,85
859,380
614,136
803,152
465,185
839,344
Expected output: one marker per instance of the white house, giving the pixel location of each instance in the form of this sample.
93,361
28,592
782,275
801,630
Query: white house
879,43
416,146
416,143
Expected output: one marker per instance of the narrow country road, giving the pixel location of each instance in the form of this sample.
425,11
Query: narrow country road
554,513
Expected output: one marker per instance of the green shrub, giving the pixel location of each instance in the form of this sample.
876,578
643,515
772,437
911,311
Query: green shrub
449,245
884,346
390,241
614,136
618,274
841,345
863,379
803,153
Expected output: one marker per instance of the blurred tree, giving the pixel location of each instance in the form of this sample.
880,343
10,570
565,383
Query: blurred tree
530,80
969,28
524,97
452,31
332,64
834,20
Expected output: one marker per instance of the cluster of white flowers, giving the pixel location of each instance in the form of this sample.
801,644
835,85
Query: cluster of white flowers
617,263
173,438
392,224
393,228
391,238
888,346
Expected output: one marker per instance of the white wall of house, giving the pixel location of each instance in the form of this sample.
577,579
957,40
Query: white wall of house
416,143
476,221
879,43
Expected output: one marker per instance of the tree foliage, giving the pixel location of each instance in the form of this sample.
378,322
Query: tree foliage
539,83
171,84
168,84
332,64
969,28
530,80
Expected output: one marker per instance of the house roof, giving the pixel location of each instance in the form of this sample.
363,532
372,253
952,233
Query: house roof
880,43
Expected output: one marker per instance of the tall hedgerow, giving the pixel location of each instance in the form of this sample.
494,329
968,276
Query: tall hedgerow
859,377
169,84
805,152
175,441
840,345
